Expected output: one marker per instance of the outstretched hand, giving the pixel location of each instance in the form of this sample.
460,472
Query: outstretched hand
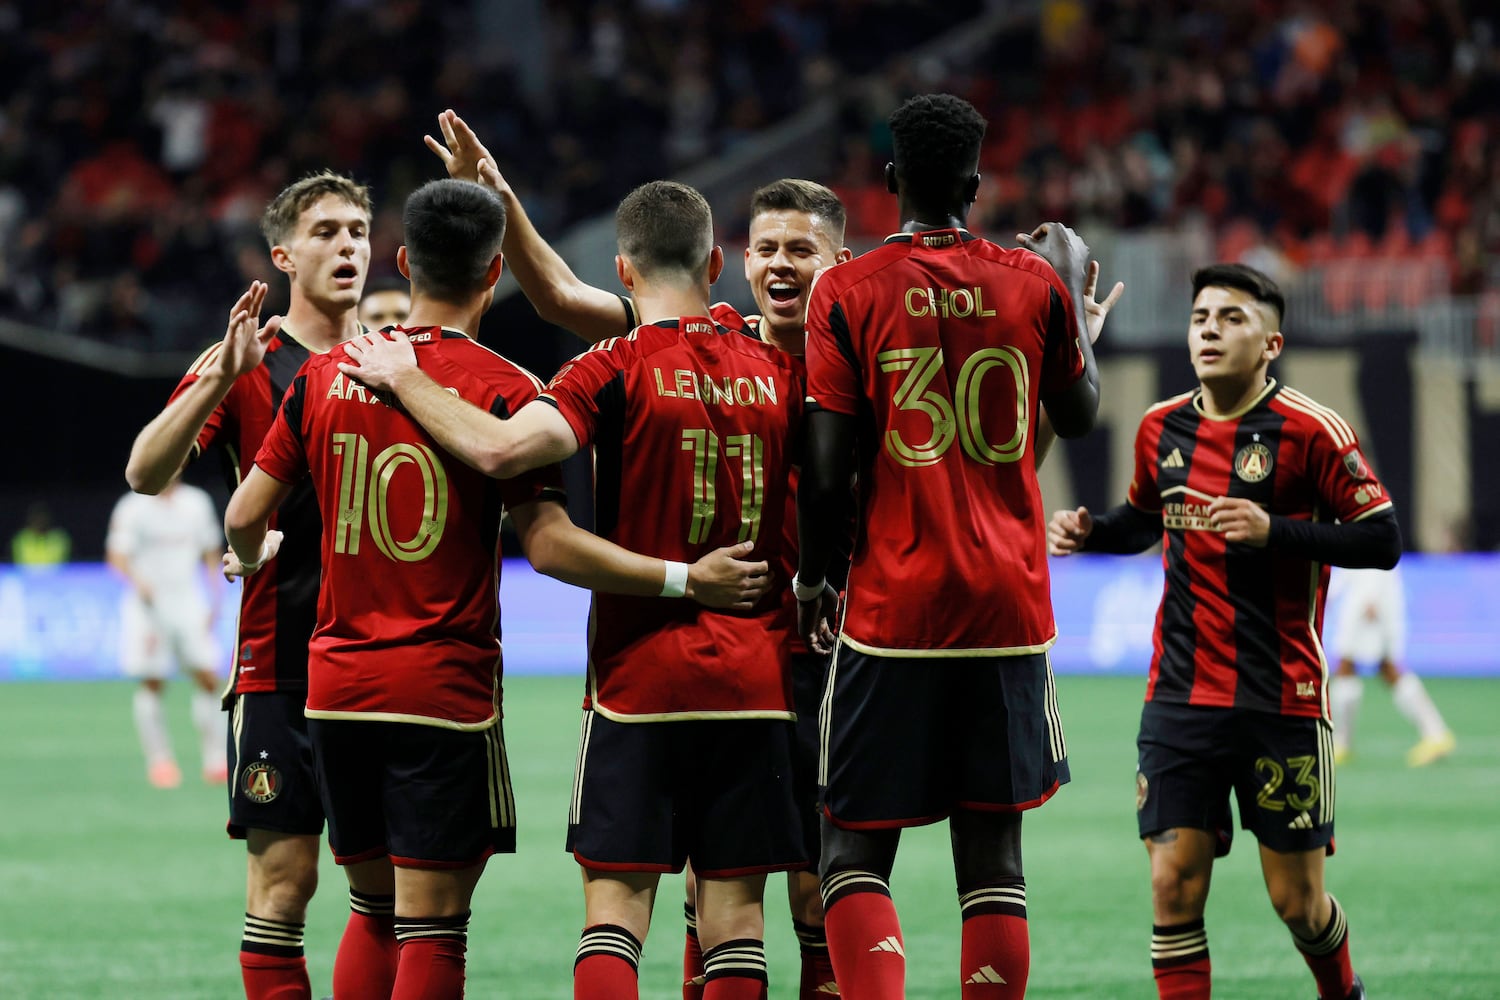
815,620
1059,246
1095,312
244,345
1067,531
723,579
462,152
377,360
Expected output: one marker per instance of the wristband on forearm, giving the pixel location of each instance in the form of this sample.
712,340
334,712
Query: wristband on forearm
806,592
675,583
265,553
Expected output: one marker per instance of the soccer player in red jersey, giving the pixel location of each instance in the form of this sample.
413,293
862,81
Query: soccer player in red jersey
927,360
318,232
403,671
1254,490
796,229
687,736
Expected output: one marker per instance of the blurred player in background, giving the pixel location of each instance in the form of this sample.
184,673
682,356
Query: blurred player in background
318,232
1253,489
796,229
1371,629
162,546
684,754
404,670
386,303
927,360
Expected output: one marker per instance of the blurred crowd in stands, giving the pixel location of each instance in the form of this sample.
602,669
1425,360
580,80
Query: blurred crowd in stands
139,141
1303,132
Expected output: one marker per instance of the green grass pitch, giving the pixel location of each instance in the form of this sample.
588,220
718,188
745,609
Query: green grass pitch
110,888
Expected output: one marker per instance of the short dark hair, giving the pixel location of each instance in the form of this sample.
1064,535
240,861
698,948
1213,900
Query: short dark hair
1256,284
665,226
935,140
279,220
792,194
453,230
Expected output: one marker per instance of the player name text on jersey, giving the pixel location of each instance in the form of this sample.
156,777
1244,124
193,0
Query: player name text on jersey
727,391
945,302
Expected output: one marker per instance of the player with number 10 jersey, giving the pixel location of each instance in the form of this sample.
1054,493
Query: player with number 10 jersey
941,344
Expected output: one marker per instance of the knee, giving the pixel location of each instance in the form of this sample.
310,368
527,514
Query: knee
1300,907
281,890
1178,892
858,850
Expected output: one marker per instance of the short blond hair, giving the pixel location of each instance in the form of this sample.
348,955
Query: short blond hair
281,215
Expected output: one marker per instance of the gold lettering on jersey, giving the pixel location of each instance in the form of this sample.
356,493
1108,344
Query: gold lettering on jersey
697,326
726,391
1186,515
959,303
938,239
352,389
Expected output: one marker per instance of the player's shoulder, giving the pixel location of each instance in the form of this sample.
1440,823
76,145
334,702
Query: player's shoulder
1312,417
1158,411
858,270
462,355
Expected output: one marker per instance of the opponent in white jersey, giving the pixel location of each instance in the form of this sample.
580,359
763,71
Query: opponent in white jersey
1371,628
167,547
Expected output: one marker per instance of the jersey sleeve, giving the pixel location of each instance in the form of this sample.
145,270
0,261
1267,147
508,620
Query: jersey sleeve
1145,492
214,425
282,455
1344,480
577,388
1062,358
503,389
833,376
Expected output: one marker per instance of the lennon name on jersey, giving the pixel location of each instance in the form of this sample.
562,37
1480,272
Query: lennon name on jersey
680,383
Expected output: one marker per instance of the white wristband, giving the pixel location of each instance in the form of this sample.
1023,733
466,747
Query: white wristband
806,592
675,585
265,553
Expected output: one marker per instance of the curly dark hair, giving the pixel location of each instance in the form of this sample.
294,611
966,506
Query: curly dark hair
935,140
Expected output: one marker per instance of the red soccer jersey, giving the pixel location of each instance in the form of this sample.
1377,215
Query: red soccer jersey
1238,626
408,620
692,432
278,606
941,344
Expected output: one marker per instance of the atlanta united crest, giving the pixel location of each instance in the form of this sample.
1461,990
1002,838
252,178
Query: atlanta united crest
261,782
1252,463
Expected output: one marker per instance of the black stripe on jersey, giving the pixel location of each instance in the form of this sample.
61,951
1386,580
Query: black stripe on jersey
298,566
1249,577
609,455
1179,632
838,323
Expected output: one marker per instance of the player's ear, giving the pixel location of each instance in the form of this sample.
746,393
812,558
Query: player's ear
971,189
492,273
843,256
282,260
715,263
625,272
1274,343
890,177
401,264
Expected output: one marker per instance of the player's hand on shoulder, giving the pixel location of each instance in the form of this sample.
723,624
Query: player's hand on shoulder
378,360
1241,520
1067,531
724,579
234,569
245,342
1094,313
1059,246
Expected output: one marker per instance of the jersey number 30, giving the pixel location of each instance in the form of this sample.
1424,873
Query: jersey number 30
357,504
958,419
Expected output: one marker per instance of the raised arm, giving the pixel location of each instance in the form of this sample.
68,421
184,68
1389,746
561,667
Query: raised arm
536,436
1072,412
247,517
557,294
1094,316
558,548
165,444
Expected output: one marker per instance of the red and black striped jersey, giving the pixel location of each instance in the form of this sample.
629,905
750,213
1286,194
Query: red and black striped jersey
692,429
408,623
1238,625
278,605
941,345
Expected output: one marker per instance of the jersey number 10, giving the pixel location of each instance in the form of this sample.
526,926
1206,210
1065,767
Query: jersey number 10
958,419
356,504
751,452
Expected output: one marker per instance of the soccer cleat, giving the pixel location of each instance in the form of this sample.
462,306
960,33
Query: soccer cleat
1431,748
164,774
1358,993
216,774
1341,756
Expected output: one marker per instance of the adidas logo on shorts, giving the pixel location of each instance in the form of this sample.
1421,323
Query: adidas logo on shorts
1302,822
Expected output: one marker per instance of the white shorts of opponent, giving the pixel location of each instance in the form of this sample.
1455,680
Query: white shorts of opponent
171,631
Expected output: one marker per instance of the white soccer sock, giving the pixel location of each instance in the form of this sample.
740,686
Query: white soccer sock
1413,702
209,721
1344,696
151,726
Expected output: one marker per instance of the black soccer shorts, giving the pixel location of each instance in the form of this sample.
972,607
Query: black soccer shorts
272,784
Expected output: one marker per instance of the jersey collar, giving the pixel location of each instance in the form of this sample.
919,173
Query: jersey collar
933,239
